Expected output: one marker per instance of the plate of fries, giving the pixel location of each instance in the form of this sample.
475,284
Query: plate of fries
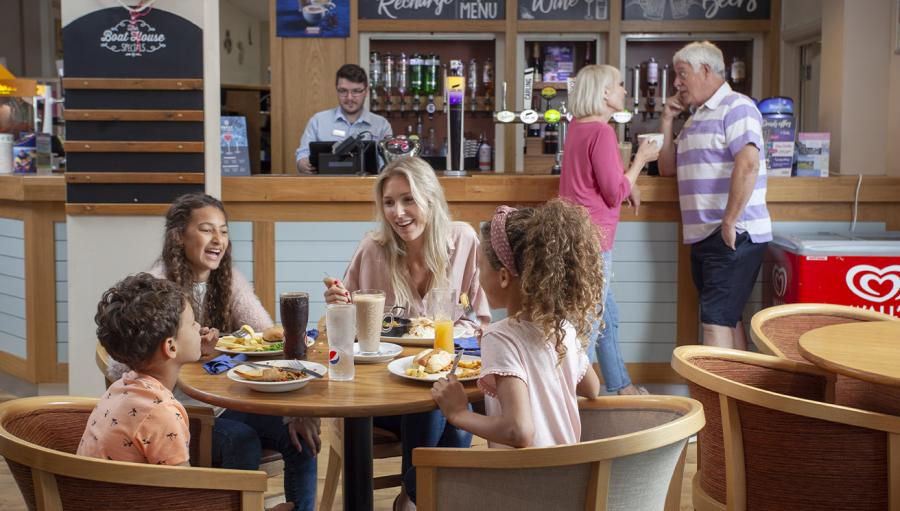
253,345
469,369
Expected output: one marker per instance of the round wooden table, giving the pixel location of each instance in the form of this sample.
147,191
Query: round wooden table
373,392
867,351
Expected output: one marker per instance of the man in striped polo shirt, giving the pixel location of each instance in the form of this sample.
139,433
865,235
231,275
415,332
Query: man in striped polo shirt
719,161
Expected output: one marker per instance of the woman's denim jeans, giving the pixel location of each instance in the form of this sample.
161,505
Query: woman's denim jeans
238,440
604,346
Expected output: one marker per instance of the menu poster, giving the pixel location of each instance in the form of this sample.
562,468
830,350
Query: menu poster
589,10
432,10
658,10
233,139
312,18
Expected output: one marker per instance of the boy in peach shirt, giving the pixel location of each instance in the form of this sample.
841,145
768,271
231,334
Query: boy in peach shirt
148,324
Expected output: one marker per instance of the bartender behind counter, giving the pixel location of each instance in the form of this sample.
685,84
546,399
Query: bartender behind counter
350,118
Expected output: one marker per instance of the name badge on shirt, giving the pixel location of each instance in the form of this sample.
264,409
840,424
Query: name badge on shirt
339,133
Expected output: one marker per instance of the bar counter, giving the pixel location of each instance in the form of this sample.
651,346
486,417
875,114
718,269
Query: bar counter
297,227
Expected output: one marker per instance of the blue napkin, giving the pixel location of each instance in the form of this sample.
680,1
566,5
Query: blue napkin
223,363
470,344
312,334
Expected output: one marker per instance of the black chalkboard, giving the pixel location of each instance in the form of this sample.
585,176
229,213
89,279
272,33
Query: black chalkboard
657,10
77,193
585,10
433,10
98,45
135,130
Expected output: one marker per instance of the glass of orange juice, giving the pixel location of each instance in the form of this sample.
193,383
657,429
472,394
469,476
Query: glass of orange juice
442,309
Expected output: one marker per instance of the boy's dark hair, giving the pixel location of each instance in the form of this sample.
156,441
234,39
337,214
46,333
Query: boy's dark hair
137,314
353,73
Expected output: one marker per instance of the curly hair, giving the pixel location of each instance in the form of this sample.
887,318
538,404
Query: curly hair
137,314
556,250
217,310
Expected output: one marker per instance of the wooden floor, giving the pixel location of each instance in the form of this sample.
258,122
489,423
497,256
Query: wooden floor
11,499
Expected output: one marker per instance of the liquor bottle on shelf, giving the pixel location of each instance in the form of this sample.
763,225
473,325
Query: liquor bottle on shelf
416,72
387,81
487,78
402,80
374,79
551,138
738,71
430,81
472,79
588,60
536,61
485,158
428,148
652,85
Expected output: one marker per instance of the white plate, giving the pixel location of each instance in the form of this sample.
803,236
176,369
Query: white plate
386,351
400,365
278,386
459,332
277,353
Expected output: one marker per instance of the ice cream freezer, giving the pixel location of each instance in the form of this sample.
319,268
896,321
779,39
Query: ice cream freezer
857,269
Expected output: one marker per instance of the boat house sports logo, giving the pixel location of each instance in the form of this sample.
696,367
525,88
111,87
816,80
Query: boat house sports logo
132,38
875,284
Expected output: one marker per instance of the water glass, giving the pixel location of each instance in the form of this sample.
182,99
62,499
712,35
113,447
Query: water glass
340,324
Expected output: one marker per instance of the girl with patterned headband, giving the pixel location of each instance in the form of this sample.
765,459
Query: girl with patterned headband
543,265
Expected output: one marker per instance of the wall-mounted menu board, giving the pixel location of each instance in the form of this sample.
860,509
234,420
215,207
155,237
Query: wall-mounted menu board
432,10
657,10
588,10
134,100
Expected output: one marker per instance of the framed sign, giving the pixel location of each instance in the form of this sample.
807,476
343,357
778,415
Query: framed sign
312,18
589,10
658,10
233,140
432,10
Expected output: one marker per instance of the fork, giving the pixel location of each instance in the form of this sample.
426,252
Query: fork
240,332
296,364
468,310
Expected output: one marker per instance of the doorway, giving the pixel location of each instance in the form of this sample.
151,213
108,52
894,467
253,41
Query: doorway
810,68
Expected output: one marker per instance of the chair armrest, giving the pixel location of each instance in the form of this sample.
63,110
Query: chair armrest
201,420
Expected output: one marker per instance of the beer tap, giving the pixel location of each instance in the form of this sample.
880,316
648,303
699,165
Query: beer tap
563,131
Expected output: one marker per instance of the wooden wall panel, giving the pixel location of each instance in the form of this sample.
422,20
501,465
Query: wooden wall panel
302,84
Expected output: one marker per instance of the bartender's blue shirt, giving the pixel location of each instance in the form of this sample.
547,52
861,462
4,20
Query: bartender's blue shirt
331,125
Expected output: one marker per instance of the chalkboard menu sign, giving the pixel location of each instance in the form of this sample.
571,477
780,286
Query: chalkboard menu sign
588,10
432,10
134,101
658,10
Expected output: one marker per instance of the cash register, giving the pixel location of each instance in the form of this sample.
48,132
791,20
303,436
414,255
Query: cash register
351,156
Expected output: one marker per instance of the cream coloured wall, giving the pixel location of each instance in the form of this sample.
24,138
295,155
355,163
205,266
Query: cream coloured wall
856,84
246,63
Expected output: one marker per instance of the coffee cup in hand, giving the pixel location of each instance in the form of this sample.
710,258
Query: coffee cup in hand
657,138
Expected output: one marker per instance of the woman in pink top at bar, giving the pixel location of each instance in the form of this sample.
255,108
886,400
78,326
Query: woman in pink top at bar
593,176
544,266
415,248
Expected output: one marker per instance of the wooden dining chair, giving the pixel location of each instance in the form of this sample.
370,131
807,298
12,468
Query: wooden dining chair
626,461
776,330
39,437
775,441
384,445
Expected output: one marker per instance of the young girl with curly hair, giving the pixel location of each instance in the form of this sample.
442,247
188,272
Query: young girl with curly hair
543,265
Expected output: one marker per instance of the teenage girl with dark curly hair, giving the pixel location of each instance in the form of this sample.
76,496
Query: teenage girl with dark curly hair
543,265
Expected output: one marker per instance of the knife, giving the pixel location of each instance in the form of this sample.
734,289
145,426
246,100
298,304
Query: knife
303,371
459,355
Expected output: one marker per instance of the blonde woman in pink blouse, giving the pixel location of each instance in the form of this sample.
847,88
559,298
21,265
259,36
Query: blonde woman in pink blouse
415,248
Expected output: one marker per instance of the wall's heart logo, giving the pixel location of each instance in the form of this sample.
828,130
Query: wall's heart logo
779,280
875,284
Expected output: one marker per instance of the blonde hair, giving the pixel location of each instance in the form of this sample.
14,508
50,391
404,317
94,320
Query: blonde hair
591,86
556,250
702,52
429,197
